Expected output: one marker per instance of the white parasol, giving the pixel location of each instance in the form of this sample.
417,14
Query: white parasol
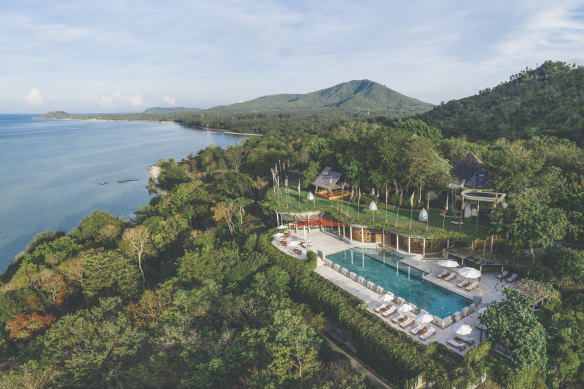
386,297
469,272
404,308
424,318
462,329
447,263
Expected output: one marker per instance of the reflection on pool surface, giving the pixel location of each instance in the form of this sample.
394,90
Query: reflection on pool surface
402,280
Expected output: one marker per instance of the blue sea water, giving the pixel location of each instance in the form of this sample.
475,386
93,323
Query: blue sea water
402,280
50,170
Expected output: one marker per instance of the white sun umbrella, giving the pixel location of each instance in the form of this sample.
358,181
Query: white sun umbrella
447,263
424,318
462,329
469,272
405,308
386,297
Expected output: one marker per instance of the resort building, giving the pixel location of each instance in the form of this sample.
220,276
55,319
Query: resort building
471,171
327,183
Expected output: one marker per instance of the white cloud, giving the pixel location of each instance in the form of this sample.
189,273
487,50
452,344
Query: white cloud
34,98
119,100
170,101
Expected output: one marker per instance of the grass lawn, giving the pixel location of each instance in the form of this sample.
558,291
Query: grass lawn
360,213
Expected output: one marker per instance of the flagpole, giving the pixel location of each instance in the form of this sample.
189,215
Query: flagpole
428,210
478,210
412,208
445,210
461,212
397,215
299,192
358,203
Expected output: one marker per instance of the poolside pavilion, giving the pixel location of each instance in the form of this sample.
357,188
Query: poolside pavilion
327,181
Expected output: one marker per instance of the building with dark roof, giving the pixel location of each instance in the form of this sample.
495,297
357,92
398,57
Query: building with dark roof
471,172
327,179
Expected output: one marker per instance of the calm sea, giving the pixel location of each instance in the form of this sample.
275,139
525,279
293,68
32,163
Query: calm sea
50,171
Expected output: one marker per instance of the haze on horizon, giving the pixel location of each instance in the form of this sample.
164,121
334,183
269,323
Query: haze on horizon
112,56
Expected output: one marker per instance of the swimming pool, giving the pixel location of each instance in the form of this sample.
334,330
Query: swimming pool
402,280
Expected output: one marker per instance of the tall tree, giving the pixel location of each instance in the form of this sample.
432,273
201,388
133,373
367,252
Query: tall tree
514,326
529,223
136,242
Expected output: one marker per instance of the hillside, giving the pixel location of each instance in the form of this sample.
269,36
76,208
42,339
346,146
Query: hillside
548,100
362,96
157,110
56,115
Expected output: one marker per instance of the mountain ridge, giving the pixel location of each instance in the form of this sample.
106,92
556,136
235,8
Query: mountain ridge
350,96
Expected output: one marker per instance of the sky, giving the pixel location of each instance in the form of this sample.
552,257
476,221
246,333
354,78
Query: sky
125,56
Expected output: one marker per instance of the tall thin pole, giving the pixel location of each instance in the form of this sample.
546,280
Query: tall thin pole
478,210
461,212
411,215
428,210
397,215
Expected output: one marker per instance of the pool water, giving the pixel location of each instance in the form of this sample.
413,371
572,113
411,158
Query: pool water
402,280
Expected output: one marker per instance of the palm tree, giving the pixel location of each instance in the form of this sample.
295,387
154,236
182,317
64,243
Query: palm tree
152,188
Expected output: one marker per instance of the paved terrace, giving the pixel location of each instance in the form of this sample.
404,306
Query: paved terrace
490,286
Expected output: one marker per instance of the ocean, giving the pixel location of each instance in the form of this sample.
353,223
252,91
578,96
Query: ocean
51,170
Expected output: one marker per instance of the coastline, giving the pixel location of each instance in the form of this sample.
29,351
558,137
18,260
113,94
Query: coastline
154,172
151,121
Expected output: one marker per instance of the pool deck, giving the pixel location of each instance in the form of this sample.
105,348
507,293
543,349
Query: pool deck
491,287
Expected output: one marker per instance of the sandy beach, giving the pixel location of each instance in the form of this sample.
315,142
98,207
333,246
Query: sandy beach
154,171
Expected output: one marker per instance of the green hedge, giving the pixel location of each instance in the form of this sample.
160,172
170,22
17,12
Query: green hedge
390,352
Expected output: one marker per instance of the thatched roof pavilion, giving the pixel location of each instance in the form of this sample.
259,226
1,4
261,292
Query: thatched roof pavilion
471,171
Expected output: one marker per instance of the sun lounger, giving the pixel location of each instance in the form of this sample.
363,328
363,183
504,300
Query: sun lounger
398,318
417,329
443,274
463,284
381,307
512,278
390,311
503,275
407,322
455,344
465,339
429,332
472,286
450,276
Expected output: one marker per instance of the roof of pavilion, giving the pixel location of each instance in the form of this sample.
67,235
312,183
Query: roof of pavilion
471,171
327,179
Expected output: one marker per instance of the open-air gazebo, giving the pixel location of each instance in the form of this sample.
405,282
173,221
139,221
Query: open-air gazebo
327,181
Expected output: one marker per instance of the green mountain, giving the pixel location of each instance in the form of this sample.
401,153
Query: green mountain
548,100
360,96
157,110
